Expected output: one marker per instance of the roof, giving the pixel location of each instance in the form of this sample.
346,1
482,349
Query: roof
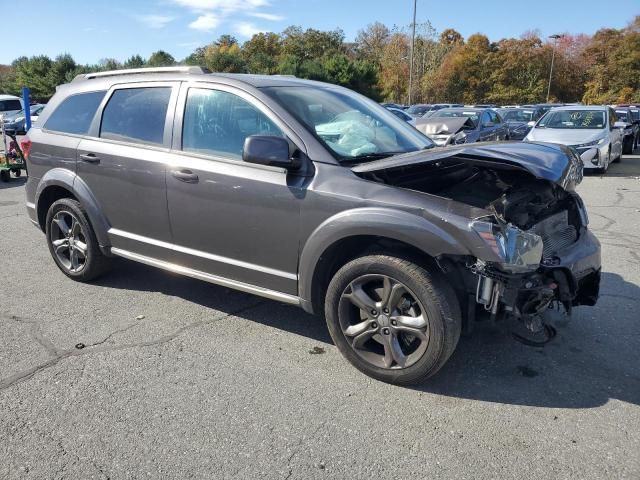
9,97
191,73
582,107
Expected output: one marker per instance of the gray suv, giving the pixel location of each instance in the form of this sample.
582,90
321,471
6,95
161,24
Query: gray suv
310,194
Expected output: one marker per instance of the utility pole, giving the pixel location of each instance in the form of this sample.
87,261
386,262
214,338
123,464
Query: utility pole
553,57
413,41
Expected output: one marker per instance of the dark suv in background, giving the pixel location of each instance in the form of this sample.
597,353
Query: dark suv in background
313,195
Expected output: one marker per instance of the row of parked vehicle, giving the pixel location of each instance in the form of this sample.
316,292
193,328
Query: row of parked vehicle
601,134
13,116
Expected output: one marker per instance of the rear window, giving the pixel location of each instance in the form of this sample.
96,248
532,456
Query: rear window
136,115
9,105
75,113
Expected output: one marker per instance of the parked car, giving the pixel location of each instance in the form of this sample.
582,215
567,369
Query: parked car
393,105
418,110
630,127
312,195
590,130
520,120
9,104
544,107
455,126
16,122
405,117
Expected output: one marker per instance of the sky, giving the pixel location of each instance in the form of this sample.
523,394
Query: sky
91,30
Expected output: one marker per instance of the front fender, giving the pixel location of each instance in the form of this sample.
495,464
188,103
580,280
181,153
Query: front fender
405,227
61,177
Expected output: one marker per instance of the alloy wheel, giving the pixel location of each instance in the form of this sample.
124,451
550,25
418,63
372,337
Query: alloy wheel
69,241
383,321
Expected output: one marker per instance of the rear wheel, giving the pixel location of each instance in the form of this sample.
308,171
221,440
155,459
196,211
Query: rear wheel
392,319
5,176
627,147
72,242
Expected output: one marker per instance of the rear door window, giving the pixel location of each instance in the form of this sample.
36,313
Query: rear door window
75,113
136,115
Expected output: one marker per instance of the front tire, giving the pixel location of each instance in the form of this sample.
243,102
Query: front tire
392,319
72,242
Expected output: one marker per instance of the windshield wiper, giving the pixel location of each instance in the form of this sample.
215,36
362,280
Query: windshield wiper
370,156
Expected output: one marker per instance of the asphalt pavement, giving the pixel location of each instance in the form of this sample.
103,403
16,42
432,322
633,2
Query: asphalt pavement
145,374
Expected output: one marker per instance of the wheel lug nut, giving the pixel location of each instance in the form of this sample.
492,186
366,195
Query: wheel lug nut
374,312
385,310
394,323
385,331
374,325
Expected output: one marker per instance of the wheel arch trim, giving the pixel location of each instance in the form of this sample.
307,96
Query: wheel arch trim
61,177
409,228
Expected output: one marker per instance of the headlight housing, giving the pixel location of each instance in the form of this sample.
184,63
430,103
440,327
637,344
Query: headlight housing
517,251
598,141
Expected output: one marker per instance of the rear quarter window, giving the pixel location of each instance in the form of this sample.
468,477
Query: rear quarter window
75,113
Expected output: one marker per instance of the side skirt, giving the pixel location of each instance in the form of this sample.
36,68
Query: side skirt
225,282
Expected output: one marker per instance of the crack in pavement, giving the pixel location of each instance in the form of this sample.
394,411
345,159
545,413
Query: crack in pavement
97,348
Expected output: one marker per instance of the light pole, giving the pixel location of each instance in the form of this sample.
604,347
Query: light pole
413,40
553,57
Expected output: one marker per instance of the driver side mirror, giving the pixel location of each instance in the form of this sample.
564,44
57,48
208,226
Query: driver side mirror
531,124
268,150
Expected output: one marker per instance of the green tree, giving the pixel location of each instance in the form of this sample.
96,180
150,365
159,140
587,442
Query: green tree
134,61
262,53
161,59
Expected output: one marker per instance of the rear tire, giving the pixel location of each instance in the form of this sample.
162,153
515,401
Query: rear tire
5,176
627,147
392,319
72,241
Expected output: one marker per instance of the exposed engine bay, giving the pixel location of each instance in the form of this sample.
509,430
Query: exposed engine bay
529,222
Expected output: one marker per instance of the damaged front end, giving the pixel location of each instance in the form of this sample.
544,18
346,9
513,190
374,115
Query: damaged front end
531,247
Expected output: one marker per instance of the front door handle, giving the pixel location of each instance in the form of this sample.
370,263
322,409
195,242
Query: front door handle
89,158
185,175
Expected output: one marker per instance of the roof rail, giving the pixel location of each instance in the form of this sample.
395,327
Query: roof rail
131,71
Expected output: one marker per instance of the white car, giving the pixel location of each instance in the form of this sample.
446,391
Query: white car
590,130
10,104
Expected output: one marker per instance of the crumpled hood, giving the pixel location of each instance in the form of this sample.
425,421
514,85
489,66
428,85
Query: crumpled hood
555,163
565,136
441,126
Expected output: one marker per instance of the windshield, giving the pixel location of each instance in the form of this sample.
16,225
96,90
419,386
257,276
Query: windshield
573,119
350,125
418,109
470,114
623,116
516,115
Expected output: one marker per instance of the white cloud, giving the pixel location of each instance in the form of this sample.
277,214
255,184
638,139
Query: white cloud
205,23
226,6
246,29
267,16
154,21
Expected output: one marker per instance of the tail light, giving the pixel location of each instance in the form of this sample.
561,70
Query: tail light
25,146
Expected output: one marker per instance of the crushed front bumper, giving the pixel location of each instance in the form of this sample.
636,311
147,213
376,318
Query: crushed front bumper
571,278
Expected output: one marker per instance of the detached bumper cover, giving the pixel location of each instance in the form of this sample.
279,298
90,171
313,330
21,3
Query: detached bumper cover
581,264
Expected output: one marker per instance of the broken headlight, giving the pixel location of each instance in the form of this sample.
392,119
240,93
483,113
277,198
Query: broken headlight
517,250
459,138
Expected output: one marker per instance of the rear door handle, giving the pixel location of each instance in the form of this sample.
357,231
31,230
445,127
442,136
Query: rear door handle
89,158
185,175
